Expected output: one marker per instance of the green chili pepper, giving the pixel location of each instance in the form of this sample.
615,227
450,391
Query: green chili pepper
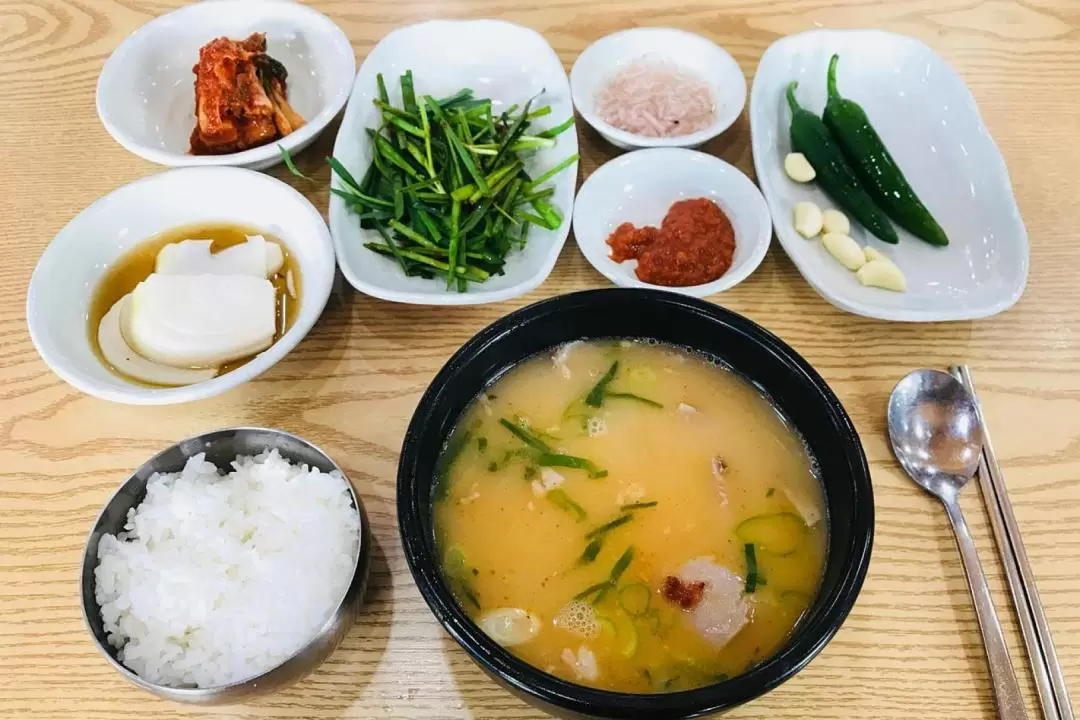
811,137
874,165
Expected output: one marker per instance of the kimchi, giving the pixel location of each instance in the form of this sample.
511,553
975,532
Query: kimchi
241,97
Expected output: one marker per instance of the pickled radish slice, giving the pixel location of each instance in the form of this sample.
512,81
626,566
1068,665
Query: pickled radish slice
128,362
200,320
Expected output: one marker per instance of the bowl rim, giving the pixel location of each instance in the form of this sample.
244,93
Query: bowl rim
802,647
202,694
627,139
315,289
679,155
332,104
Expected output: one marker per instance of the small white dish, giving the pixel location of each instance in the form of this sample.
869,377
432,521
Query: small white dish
599,62
928,119
69,270
640,187
498,60
146,90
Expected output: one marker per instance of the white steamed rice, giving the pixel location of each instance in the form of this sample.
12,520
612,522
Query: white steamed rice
217,579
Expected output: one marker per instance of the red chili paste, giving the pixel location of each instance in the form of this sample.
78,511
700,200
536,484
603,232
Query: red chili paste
694,245
686,595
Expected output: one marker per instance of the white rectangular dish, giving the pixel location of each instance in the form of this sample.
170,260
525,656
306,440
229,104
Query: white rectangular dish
928,119
498,60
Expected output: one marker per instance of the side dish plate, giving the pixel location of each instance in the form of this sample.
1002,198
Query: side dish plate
70,268
928,119
146,90
498,60
640,188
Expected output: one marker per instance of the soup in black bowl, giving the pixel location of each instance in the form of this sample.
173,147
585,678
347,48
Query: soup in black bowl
625,502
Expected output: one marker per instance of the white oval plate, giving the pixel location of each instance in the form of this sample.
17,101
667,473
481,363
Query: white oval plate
146,90
498,60
58,300
928,119
640,187
610,54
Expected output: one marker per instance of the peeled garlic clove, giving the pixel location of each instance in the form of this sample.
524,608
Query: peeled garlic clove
119,354
882,274
200,320
509,626
808,219
798,168
874,254
834,221
845,250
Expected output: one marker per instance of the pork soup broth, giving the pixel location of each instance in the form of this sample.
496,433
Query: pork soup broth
630,516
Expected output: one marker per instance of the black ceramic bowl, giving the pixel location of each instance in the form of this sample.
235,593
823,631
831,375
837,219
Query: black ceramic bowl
759,356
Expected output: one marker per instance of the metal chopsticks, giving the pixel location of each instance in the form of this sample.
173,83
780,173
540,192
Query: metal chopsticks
1053,694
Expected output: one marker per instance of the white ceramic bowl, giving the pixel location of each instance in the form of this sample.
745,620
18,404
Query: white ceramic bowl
599,62
929,121
69,270
498,60
146,90
640,187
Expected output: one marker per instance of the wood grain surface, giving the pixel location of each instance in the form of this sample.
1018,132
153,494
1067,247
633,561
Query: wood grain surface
910,648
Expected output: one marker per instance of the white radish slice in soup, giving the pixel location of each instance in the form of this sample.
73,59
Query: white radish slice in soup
510,626
722,612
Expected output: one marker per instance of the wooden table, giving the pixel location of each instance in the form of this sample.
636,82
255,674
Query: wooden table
910,648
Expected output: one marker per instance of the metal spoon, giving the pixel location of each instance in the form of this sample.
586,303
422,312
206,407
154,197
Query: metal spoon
937,436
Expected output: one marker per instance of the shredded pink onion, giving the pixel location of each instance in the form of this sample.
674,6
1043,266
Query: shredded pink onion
656,100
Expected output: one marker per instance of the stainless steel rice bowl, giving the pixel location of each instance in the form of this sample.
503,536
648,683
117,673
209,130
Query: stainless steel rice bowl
221,448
